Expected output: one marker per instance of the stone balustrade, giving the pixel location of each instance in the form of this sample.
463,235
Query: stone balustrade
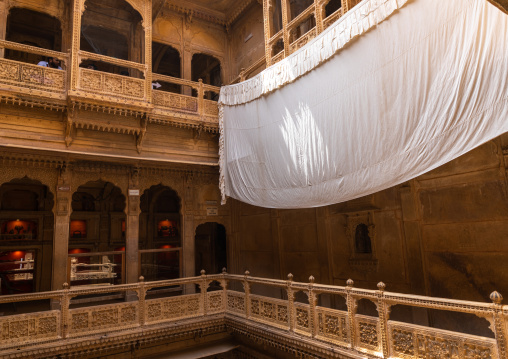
32,85
325,332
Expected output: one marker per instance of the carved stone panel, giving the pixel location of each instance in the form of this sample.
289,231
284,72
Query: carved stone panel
215,302
411,341
270,310
332,325
95,319
17,329
169,309
236,302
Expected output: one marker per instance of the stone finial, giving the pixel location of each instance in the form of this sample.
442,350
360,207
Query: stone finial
290,277
312,279
496,297
203,272
224,271
381,286
350,282
65,286
247,273
141,279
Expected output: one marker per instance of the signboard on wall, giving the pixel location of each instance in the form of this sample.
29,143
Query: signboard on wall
134,192
212,211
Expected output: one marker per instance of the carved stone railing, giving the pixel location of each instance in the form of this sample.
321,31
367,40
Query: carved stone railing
293,40
324,331
278,57
300,23
175,102
103,91
30,79
303,40
106,86
332,18
184,104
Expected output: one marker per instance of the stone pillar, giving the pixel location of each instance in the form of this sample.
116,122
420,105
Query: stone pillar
147,25
268,26
285,19
344,6
188,235
319,6
4,11
77,12
133,211
187,67
62,213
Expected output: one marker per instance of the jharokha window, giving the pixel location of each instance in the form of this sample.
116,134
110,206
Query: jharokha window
362,240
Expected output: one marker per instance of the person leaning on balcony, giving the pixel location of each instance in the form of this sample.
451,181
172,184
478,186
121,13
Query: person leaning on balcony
52,63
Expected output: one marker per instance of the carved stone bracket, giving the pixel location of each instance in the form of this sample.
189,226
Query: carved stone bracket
141,134
71,113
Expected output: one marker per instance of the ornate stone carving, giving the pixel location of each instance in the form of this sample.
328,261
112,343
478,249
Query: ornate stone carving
143,321
236,302
168,309
112,85
302,318
215,302
403,343
175,101
96,319
332,324
34,327
367,334
32,76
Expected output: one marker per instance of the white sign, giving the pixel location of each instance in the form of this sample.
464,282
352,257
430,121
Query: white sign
134,192
212,211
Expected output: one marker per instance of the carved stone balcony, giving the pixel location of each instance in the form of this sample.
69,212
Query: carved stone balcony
77,87
304,329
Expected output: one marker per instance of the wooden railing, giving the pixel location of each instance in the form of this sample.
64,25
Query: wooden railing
339,330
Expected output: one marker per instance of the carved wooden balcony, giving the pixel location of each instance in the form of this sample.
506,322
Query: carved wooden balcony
300,328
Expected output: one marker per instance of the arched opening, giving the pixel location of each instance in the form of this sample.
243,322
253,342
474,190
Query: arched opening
363,244
210,248
277,47
208,69
160,234
332,6
26,237
112,28
302,28
97,235
166,61
32,28
276,17
296,7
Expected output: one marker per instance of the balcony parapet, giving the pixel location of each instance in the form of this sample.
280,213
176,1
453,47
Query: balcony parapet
29,80
32,85
301,327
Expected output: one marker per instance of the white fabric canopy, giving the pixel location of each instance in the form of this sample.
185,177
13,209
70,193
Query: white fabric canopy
392,90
